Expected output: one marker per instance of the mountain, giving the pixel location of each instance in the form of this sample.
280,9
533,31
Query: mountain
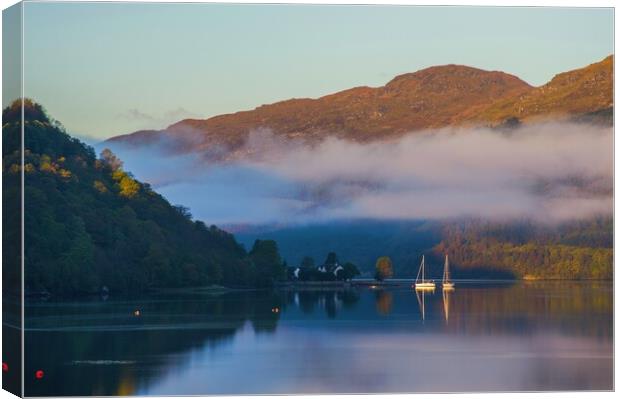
89,223
582,91
436,97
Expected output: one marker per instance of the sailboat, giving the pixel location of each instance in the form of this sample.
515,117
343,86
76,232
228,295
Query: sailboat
423,283
446,283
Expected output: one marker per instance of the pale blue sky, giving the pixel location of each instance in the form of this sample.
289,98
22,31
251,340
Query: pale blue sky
104,69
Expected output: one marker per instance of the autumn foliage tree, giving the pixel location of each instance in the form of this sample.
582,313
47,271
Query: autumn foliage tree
383,268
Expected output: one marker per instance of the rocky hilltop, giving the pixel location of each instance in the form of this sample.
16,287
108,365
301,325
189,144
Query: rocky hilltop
436,97
575,93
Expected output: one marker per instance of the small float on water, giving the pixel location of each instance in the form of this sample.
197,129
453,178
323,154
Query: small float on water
422,284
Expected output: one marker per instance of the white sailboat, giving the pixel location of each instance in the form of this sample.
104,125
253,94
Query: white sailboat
423,283
446,283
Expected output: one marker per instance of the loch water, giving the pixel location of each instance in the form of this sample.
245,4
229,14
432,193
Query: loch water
483,336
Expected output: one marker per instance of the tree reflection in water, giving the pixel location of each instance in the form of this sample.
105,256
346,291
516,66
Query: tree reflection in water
98,334
384,301
102,348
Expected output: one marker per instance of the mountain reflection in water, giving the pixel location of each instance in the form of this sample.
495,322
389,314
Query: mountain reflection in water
480,337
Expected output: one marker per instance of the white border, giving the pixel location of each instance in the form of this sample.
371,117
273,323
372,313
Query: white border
524,3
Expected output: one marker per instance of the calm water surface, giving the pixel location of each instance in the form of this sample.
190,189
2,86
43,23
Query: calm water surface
481,337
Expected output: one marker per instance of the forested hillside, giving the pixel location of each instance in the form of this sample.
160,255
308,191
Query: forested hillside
89,224
476,248
576,250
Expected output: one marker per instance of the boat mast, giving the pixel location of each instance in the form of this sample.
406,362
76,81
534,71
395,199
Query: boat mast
423,280
446,272
417,277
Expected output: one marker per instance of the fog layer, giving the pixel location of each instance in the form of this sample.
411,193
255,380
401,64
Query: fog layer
548,172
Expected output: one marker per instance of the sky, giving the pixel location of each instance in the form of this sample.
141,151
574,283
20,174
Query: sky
104,69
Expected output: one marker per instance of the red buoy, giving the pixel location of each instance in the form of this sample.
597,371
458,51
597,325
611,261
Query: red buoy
39,374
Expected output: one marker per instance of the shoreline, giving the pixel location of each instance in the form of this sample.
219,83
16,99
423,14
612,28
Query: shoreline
219,289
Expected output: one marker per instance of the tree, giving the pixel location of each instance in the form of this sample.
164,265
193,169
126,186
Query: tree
183,211
110,159
268,262
77,264
383,268
128,187
331,259
307,262
349,271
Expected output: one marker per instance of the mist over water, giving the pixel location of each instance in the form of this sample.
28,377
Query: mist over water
549,172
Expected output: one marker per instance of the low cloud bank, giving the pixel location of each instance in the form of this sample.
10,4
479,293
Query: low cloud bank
548,172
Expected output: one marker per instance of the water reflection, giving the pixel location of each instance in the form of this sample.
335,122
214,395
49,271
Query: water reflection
421,297
384,302
331,302
524,336
446,303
